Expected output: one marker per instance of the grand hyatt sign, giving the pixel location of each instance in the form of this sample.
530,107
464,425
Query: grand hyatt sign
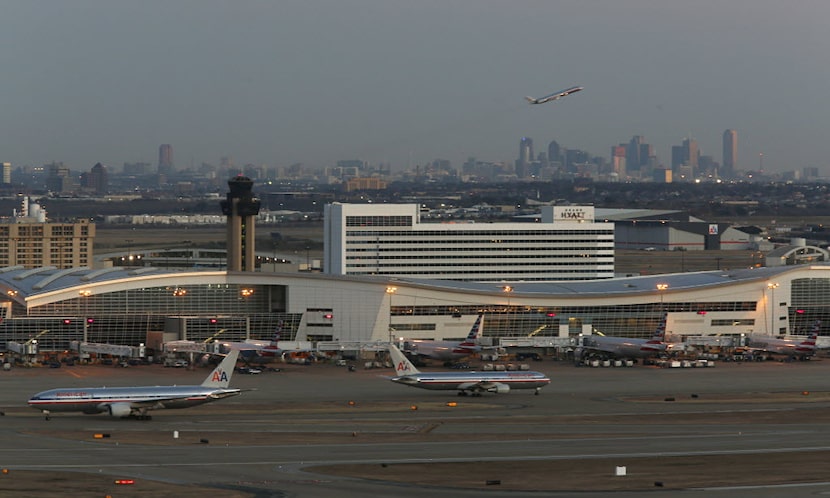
573,213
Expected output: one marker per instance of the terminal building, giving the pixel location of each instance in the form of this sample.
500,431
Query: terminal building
151,306
146,307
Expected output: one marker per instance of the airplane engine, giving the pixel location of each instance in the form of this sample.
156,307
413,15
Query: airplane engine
500,389
119,410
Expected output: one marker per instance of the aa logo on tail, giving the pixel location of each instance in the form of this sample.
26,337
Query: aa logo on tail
219,376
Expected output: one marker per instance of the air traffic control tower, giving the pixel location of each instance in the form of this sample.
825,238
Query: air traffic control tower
241,208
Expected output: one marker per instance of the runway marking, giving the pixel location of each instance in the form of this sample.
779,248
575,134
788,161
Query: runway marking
762,486
306,463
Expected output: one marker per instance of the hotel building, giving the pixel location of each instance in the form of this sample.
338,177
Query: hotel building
391,240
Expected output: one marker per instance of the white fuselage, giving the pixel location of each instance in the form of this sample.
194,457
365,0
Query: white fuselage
440,350
622,347
98,399
782,346
459,380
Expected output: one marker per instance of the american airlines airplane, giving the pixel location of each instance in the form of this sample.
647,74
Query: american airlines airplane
446,350
258,351
793,348
474,383
624,347
137,401
554,96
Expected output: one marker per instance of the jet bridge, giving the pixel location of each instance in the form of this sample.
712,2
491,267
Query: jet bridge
111,349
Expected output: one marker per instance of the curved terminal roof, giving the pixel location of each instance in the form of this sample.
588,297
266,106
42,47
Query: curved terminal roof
51,284
616,286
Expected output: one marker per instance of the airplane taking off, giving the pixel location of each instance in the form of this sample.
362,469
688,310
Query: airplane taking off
793,348
624,347
447,350
127,401
554,96
474,383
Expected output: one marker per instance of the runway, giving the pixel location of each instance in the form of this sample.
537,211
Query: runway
268,440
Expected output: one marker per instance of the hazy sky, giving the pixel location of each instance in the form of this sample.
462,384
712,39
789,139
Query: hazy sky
406,81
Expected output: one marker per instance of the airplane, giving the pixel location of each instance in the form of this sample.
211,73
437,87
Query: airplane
793,348
446,350
258,351
554,96
124,402
624,347
473,383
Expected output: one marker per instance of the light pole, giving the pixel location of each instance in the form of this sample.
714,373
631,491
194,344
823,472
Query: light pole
84,297
129,251
178,294
390,291
660,289
771,286
508,290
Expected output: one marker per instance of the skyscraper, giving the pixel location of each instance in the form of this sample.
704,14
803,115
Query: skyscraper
618,160
730,153
7,173
165,159
525,157
554,152
684,159
97,179
633,161
691,152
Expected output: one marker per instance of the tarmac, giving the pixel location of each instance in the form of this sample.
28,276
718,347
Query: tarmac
751,429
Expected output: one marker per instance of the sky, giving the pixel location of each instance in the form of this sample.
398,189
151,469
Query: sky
277,82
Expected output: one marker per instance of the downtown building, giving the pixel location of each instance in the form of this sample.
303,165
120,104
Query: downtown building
390,240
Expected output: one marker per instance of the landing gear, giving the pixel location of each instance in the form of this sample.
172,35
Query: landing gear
141,415
46,414
538,390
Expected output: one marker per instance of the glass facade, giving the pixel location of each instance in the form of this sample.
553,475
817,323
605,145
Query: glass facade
637,320
204,312
810,302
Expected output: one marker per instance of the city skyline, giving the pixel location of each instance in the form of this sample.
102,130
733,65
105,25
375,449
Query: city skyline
393,82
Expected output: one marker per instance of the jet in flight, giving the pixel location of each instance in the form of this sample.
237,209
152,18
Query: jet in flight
554,96
792,348
137,401
446,350
474,383
624,347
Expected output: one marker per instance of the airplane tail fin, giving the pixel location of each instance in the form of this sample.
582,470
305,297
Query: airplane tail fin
809,345
816,330
220,378
660,333
402,364
475,332
531,100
